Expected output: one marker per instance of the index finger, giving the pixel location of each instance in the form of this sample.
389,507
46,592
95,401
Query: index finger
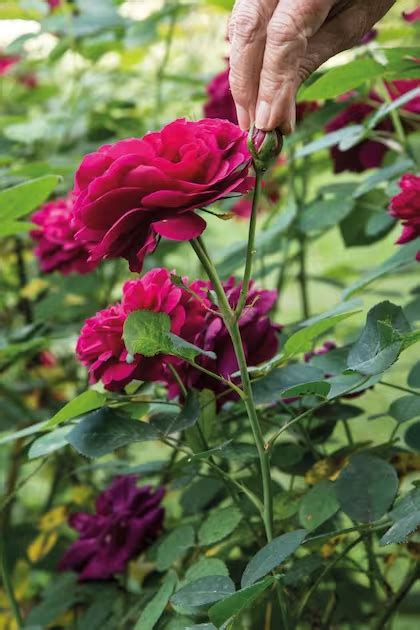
247,33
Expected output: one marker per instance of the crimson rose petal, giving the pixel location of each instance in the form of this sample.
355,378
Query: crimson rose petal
124,192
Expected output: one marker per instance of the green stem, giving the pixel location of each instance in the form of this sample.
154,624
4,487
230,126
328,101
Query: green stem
347,431
303,280
398,126
391,606
250,253
307,596
348,530
233,328
8,586
400,388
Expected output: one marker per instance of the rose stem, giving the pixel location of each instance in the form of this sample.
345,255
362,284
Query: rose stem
250,253
233,329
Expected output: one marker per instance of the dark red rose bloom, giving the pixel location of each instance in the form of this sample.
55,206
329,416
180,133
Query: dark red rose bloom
369,37
412,16
28,79
258,333
368,153
47,359
53,4
126,520
220,103
57,249
130,193
398,88
101,347
242,208
304,108
406,207
7,62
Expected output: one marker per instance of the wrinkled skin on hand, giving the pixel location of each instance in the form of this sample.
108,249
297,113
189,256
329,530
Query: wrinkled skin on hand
277,44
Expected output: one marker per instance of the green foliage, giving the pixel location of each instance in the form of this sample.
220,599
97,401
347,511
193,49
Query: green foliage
218,525
148,333
366,488
318,505
204,591
174,546
271,556
234,604
340,468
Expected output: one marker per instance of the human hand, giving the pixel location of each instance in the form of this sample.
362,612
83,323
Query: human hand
277,44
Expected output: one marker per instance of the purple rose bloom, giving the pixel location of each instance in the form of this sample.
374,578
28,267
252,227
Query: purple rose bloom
369,37
127,519
259,338
220,103
368,153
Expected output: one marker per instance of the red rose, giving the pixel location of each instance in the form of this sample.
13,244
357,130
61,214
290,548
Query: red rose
412,16
57,248
220,103
304,108
7,62
101,347
398,88
259,338
130,193
368,153
406,207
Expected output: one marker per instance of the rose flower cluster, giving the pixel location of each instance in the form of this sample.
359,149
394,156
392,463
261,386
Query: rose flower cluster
193,318
127,519
406,207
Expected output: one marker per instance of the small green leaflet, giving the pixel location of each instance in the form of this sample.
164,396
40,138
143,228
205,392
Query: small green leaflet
204,591
154,609
149,333
271,556
20,200
237,602
87,401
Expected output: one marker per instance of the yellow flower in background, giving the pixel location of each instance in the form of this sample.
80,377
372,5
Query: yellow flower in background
7,621
32,290
52,519
48,536
41,546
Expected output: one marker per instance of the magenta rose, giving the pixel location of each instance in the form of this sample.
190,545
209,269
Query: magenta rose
258,333
398,88
130,193
101,347
368,153
412,16
127,519
57,249
369,37
406,207
7,62
304,108
220,103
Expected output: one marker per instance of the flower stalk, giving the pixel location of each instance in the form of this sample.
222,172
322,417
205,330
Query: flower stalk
232,326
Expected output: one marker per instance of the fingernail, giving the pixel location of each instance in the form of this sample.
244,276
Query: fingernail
243,118
262,117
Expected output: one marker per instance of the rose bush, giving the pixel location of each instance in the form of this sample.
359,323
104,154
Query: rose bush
180,453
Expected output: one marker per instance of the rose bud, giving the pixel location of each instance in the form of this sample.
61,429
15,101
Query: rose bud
265,147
